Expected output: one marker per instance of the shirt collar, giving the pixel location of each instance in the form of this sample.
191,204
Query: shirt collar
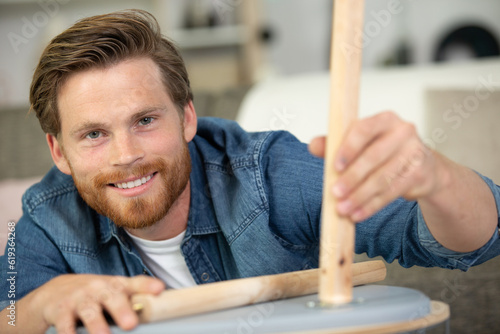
202,218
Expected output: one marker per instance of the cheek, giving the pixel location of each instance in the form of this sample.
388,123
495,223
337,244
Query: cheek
165,144
86,165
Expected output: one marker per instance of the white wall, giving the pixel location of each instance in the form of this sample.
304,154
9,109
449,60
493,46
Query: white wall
300,34
27,26
303,29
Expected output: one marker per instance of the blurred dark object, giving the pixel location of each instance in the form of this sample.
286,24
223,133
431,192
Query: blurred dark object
467,42
199,14
266,34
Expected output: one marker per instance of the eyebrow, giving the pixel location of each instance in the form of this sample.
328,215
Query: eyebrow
89,125
85,127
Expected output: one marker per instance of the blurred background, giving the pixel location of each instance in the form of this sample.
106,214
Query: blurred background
230,44
265,64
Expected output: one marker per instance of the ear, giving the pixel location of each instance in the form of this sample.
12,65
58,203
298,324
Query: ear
190,121
57,154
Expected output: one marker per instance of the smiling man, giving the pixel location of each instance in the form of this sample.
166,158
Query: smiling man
146,196
125,144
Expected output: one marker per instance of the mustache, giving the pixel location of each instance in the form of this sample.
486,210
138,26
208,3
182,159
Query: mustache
104,179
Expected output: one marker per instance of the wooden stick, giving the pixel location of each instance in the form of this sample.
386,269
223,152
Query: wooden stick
246,291
337,233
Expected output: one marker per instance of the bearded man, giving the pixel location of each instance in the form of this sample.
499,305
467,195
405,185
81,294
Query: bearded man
142,186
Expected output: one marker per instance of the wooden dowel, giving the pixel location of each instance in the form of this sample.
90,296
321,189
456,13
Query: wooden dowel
246,291
337,233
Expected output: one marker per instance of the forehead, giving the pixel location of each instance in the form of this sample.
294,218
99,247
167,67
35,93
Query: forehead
137,74
128,85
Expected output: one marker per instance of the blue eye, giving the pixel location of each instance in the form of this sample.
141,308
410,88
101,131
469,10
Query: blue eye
94,134
146,120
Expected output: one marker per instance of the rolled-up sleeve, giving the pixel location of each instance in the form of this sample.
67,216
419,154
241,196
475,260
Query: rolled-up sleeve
459,260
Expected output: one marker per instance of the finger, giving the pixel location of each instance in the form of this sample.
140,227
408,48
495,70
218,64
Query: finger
92,317
373,157
373,200
65,324
371,196
392,180
146,284
317,147
374,205
115,297
119,308
136,284
360,134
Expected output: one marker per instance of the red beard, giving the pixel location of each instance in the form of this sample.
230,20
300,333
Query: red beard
142,211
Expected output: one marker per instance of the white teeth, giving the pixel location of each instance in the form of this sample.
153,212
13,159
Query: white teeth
133,184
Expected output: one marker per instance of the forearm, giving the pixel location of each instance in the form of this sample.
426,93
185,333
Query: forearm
461,214
24,317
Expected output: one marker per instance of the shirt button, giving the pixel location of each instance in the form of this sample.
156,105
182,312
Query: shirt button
205,277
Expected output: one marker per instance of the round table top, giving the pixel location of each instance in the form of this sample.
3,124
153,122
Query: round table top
375,309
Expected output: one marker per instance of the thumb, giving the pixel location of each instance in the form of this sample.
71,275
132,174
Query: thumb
317,146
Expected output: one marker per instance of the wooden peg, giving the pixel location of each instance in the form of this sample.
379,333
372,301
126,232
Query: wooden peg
337,233
217,296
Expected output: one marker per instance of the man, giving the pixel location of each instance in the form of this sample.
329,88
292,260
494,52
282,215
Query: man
144,187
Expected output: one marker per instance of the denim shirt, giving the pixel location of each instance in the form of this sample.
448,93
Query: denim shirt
255,210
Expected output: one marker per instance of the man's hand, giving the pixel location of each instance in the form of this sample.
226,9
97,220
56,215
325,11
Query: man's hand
64,300
382,158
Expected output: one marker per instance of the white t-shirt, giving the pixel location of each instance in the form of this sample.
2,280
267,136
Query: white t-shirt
165,260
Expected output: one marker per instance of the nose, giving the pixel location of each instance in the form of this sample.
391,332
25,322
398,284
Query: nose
125,150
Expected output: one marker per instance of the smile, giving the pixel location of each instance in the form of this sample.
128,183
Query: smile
133,184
